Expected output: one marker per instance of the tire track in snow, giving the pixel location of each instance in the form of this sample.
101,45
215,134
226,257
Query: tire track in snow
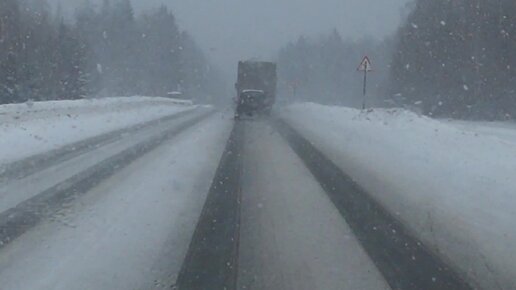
212,257
16,221
403,260
27,166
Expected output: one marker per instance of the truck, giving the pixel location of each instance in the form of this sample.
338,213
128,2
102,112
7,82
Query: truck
256,88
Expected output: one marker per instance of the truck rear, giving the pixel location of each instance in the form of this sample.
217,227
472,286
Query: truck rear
256,87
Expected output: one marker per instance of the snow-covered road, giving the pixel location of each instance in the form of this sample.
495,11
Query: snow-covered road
132,230
29,129
15,190
129,232
121,213
292,237
451,183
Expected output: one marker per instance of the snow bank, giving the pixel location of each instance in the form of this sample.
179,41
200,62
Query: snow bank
31,128
453,186
502,130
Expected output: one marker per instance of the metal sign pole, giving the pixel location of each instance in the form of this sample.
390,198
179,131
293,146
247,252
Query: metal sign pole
365,90
365,66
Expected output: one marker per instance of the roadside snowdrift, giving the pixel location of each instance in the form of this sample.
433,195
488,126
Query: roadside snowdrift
31,128
453,186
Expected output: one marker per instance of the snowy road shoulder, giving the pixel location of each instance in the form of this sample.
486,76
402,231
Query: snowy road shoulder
453,188
26,130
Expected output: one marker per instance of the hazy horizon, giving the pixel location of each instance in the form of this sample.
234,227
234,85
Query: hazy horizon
230,30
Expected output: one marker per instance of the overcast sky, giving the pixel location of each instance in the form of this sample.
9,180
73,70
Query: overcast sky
229,30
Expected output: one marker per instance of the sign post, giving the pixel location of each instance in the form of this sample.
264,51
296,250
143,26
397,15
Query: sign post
366,67
293,85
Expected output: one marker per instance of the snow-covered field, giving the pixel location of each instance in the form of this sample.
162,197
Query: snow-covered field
31,128
451,183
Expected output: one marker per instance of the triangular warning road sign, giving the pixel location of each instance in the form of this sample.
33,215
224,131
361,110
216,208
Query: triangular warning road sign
365,65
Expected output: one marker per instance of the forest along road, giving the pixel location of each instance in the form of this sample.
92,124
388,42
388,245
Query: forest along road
203,202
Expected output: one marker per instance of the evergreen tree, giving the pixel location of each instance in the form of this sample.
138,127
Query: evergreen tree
323,69
456,58
161,50
70,68
107,51
9,47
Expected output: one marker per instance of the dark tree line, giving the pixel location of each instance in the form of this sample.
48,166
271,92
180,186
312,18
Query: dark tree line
104,50
323,69
450,58
40,56
458,58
